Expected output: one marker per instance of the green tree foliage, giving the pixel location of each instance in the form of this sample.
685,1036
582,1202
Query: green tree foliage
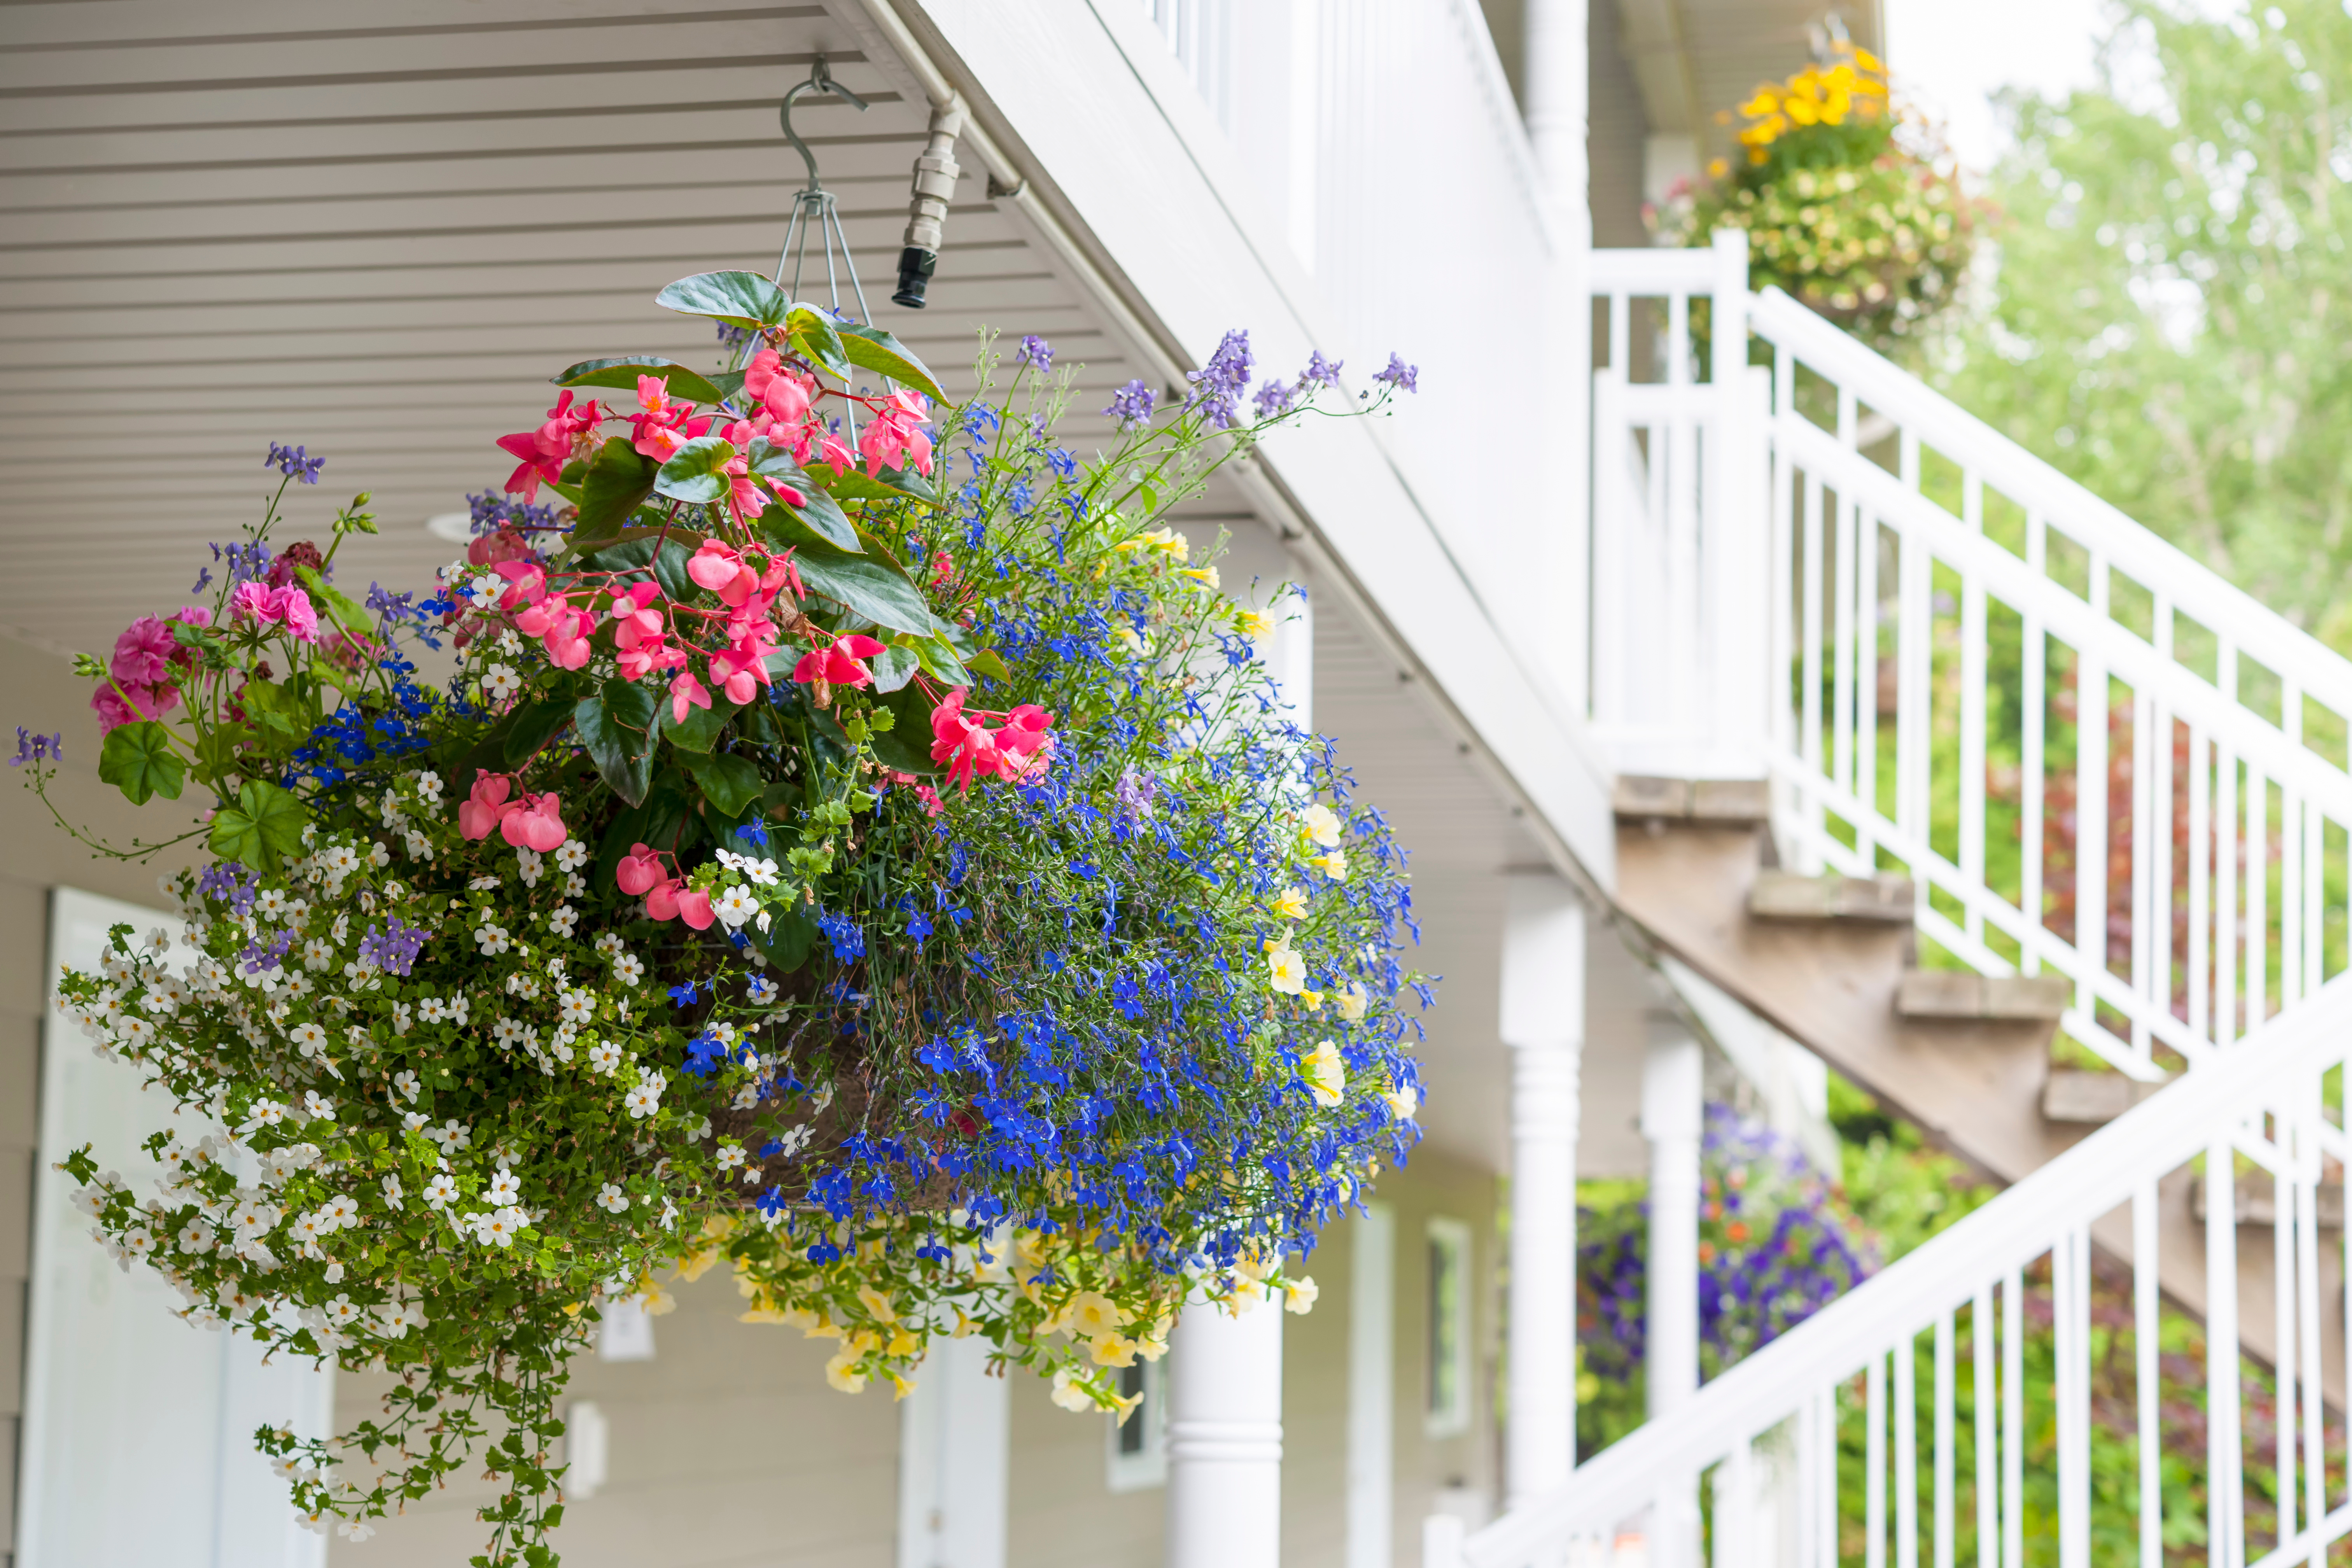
2169,325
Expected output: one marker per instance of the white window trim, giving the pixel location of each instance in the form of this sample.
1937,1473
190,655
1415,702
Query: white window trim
1452,1418
1124,1472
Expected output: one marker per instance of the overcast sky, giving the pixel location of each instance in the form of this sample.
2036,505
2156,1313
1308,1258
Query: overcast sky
1948,56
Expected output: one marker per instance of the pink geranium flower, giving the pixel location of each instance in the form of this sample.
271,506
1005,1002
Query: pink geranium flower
131,703
146,653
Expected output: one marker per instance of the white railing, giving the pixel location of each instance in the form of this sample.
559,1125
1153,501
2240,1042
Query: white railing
1678,539
1956,1402
2097,758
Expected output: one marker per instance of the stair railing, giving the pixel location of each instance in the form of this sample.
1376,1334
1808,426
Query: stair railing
1968,1367
2095,757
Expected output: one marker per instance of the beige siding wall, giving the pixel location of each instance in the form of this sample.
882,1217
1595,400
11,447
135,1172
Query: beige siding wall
727,1449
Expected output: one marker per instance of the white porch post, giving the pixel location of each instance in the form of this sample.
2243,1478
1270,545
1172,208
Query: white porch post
1224,1439
1672,1118
1557,119
1543,1025
1224,1372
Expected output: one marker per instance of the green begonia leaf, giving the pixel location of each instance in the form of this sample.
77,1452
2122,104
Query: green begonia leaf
696,473
887,484
138,760
623,373
617,482
895,667
700,731
879,351
730,784
739,298
866,586
818,512
616,727
533,727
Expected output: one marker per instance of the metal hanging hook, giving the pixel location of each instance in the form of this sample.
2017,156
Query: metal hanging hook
820,80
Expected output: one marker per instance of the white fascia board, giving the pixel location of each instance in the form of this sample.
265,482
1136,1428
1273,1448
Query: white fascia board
1127,160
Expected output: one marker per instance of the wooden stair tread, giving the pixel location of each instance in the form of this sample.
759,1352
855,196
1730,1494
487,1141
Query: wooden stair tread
1957,993
1778,895
1638,797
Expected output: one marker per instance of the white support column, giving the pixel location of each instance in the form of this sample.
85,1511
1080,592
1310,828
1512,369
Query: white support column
1557,92
1224,1439
1224,1372
1672,1118
1371,1388
954,1441
1543,1025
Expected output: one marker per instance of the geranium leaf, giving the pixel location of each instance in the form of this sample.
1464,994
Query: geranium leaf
740,299
138,760
618,479
865,586
265,825
696,473
878,351
623,373
616,730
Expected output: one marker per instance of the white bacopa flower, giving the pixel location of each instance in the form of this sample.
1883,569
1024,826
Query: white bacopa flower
561,922
529,859
579,1007
134,1032
571,855
413,1121
492,938
610,1198
729,1156
504,1187
501,682
441,1191
603,1056
308,1037
317,955
138,1241
342,1211
735,905
642,1102
196,1235
453,1135
760,991
408,1084
265,1113
392,1195
271,904
628,969
432,1009
500,1227
318,1105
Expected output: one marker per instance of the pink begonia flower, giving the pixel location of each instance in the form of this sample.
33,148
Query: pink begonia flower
665,424
694,908
741,673
529,583
894,437
832,451
632,609
685,692
661,899
843,663
489,807
967,748
535,825
144,653
566,639
720,567
648,656
144,702
543,451
786,394
640,870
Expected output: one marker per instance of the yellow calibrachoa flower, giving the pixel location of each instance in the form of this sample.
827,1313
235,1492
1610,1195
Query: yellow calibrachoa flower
1252,624
1093,1314
1334,863
875,1302
1069,1394
1326,1074
1298,1296
1286,970
1204,575
1352,1003
1321,824
1290,904
1113,1349
1404,1100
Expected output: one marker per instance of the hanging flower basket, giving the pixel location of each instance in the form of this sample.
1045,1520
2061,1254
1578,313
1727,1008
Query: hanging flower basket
1840,210
845,838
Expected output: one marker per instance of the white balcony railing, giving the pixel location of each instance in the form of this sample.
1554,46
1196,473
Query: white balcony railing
2097,757
1949,1404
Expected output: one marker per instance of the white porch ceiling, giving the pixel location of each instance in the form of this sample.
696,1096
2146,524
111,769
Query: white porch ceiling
232,222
